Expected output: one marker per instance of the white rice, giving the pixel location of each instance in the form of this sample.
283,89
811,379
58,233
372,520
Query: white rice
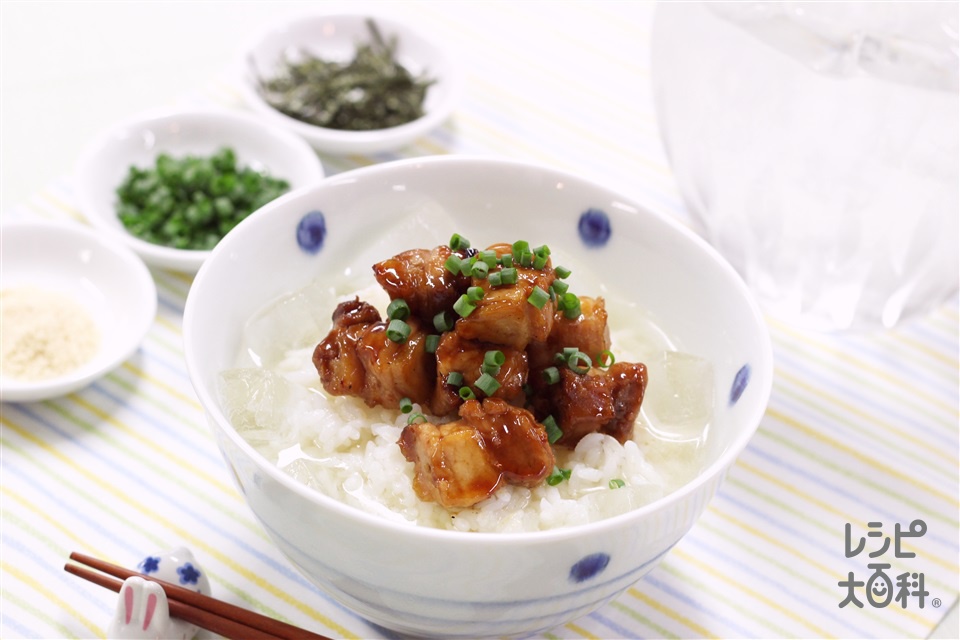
347,450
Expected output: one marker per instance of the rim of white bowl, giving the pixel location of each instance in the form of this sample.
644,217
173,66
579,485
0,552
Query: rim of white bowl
31,391
336,141
186,260
763,371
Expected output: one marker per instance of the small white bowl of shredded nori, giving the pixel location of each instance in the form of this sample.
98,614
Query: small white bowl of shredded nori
172,183
350,83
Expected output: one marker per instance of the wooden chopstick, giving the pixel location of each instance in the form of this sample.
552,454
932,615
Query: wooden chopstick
207,613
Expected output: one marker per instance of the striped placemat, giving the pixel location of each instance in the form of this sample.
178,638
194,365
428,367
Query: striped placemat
862,430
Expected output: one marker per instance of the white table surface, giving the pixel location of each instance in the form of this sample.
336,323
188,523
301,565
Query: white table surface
70,69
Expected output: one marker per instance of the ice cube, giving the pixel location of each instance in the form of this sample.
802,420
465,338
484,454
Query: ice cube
679,399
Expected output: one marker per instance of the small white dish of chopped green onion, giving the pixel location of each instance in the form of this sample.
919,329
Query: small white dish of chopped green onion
172,183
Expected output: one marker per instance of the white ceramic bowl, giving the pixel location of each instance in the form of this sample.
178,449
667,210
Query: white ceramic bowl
105,277
103,165
335,37
454,584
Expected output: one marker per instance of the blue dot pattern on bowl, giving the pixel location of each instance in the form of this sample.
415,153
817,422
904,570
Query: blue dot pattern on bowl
589,566
594,228
312,231
740,382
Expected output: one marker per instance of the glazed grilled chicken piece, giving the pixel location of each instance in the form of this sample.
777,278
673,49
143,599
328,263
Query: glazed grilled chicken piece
588,332
460,463
341,371
504,316
420,278
598,401
454,354
357,358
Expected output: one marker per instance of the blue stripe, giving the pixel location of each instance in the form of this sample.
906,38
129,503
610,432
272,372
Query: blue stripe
697,605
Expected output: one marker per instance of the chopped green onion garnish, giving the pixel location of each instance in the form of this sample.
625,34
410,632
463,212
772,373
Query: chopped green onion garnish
398,330
562,272
570,304
489,258
617,483
495,279
480,270
416,417
466,393
518,249
558,476
463,306
453,264
559,287
551,375
506,261
526,259
454,379
538,297
569,351
398,309
433,340
540,256
494,357
474,294
487,383
553,431
406,405
574,362
605,359
441,322
508,275
457,241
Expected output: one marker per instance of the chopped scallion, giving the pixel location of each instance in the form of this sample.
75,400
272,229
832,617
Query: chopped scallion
506,261
474,294
453,264
494,357
406,405
433,340
398,309
463,306
605,359
489,258
554,432
479,270
551,375
487,383
617,483
416,417
519,247
466,393
454,379
562,272
538,297
398,330
557,476
559,287
457,242
508,275
579,362
441,322
495,279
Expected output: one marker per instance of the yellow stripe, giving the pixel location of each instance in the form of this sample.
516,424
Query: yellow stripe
50,596
54,523
908,391
884,470
822,633
184,533
821,393
154,447
156,382
846,517
653,604
922,348
583,632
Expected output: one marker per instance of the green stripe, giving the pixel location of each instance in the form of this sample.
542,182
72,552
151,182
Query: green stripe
10,596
